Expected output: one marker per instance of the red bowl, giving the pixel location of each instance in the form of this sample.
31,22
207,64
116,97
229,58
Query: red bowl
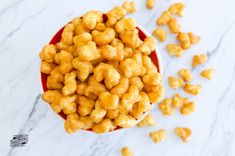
57,37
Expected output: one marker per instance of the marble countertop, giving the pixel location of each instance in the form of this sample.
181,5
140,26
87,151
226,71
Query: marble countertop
26,25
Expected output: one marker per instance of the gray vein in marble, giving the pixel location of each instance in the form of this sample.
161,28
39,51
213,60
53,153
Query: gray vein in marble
11,6
210,54
101,141
37,113
215,121
217,47
15,30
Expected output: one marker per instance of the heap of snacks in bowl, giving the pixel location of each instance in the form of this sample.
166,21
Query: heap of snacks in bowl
99,76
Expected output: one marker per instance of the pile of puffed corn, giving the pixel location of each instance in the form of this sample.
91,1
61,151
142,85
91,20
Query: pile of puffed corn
101,76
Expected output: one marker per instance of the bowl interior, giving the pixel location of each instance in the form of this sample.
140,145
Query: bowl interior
57,38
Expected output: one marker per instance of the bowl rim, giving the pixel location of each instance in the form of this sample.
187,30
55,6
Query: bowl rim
159,59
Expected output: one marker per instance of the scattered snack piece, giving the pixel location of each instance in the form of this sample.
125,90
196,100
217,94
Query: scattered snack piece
185,74
199,59
147,121
187,108
129,6
194,39
158,136
166,106
150,3
208,73
160,34
177,8
184,40
177,101
126,151
175,83
174,26
192,89
184,133
174,50
164,18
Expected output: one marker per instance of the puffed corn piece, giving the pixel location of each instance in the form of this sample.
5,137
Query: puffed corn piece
147,121
125,120
48,52
177,8
184,40
177,101
103,37
72,123
150,3
91,18
175,83
115,14
174,26
130,97
68,34
108,101
46,67
192,89
125,24
160,34
126,151
98,113
185,74
208,73
156,93
199,59
187,108
174,50
87,121
158,136
166,106
147,46
194,39
86,105
129,6
68,104
164,18
104,126
141,106
53,97
184,133
70,83
131,38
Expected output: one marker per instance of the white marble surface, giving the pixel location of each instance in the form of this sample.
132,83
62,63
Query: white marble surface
26,25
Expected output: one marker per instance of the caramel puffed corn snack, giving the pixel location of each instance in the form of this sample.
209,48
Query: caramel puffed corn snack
100,74
126,151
